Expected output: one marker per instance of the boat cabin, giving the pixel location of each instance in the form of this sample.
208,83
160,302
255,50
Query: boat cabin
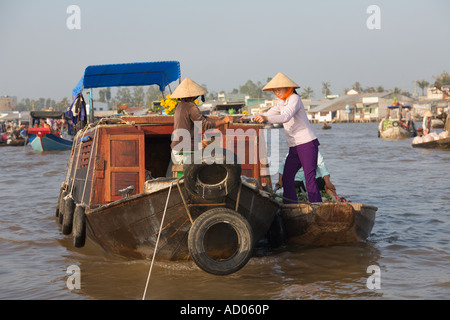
111,157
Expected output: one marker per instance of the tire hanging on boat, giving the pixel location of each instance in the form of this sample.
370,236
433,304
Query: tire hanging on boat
61,205
220,241
69,208
214,178
79,227
59,201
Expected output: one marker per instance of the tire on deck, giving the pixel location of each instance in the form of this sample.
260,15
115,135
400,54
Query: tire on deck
214,177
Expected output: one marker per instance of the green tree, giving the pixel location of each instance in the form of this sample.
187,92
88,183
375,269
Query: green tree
442,80
152,94
326,88
138,96
422,85
357,87
123,96
250,89
307,93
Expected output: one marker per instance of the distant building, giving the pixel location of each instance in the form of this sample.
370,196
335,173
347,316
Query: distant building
355,107
433,101
8,103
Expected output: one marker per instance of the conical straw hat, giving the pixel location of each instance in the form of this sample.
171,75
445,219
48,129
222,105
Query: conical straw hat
280,81
188,89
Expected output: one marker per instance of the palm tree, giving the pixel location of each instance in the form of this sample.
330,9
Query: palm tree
357,87
326,88
307,93
422,85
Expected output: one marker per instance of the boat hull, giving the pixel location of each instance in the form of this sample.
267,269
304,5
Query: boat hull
443,144
327,223
395,133
14,143
49,142
129,227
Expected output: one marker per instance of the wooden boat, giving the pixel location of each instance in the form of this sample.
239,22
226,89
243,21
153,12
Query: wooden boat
327,223
14,143
134,222
393,130
443,144
44,138
122,191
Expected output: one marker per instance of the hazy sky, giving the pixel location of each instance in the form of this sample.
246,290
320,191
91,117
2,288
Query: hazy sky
225,43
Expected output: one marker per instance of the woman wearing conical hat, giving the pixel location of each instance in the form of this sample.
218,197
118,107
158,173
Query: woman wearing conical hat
301,140
187,115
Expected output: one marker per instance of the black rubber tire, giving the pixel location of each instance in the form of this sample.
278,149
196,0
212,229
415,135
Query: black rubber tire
79,227
69,208
61,207
244,236
212,181
58,203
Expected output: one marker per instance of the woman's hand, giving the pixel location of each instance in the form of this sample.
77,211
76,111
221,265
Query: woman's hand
329,187
260,118
225,120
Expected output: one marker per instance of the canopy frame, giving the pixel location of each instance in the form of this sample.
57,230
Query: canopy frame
161,73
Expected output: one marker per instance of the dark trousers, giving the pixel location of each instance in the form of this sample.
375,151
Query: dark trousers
303,155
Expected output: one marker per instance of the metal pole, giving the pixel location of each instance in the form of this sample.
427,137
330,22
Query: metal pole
91,107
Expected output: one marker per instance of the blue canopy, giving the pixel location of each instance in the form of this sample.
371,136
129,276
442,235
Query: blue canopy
129,74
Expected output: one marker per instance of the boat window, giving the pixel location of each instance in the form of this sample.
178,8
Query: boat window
157,157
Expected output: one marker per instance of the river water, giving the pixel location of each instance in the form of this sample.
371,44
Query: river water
409,246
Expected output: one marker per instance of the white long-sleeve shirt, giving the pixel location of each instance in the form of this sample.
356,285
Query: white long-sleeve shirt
291,113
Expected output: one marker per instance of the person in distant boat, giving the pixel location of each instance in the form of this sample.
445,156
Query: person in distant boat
426,123
322,177
400,112
408,120
301,140
186,113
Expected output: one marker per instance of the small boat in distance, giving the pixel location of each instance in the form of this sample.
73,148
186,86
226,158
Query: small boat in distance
395,128
45,138
325,125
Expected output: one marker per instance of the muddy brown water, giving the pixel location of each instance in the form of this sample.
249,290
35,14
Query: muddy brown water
409,245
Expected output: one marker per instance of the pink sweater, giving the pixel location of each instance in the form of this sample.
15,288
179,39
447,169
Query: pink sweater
291,113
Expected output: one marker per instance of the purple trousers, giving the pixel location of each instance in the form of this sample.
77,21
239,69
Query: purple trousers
303,155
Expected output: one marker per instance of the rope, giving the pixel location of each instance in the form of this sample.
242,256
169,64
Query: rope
157,241
93,145
76,163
